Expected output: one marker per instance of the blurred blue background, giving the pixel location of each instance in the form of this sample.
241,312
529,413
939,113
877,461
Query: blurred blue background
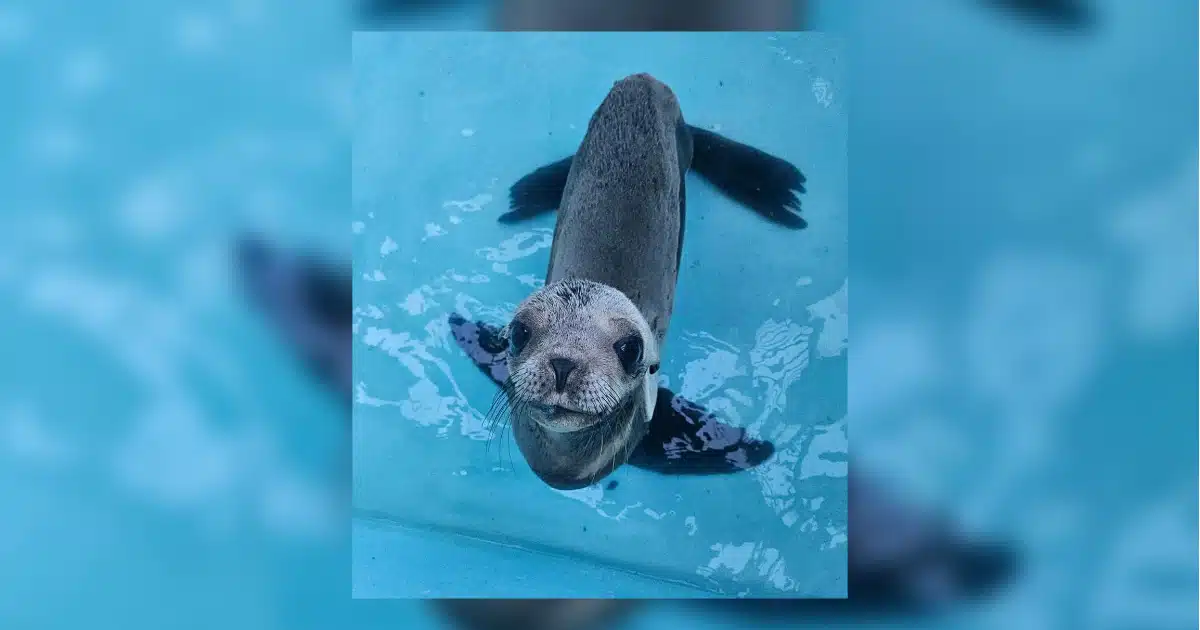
1024,253
444,124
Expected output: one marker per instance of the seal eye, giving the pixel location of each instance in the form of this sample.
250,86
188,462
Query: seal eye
629,351
518,336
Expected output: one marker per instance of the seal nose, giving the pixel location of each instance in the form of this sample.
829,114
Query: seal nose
562,368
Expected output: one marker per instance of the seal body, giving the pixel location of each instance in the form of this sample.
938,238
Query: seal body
620,222
584,349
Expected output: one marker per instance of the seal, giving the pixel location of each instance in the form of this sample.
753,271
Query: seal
584,348
583,351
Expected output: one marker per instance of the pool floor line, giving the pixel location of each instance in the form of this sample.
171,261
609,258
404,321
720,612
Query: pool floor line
379,519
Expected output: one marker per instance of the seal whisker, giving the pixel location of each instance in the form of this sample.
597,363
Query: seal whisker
499,406
610,397
520,407
497,418
502,436
603,439
508,439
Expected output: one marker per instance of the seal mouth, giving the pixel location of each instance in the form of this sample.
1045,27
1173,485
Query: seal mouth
559,419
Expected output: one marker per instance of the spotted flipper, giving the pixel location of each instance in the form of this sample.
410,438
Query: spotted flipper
485,344
684,438
687,439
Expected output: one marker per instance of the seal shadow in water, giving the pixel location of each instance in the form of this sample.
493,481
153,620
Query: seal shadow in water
684,437
903,558
308,300
1069,16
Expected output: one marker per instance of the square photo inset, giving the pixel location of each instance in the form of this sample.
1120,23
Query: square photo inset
600,315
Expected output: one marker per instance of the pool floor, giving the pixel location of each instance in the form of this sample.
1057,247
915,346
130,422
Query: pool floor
391,559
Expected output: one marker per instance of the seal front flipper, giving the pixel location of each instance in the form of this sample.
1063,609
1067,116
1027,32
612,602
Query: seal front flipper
687,439
756,179
485,344
538,192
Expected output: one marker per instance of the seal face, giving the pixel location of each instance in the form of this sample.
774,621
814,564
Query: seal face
577,349
581,360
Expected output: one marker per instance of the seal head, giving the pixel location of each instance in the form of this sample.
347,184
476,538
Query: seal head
581,391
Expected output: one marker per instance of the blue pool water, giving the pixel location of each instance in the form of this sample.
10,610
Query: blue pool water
444,123
161,450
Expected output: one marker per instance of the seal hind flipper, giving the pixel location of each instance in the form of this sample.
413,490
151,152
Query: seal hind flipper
538,192
687,439
754,178
684,438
